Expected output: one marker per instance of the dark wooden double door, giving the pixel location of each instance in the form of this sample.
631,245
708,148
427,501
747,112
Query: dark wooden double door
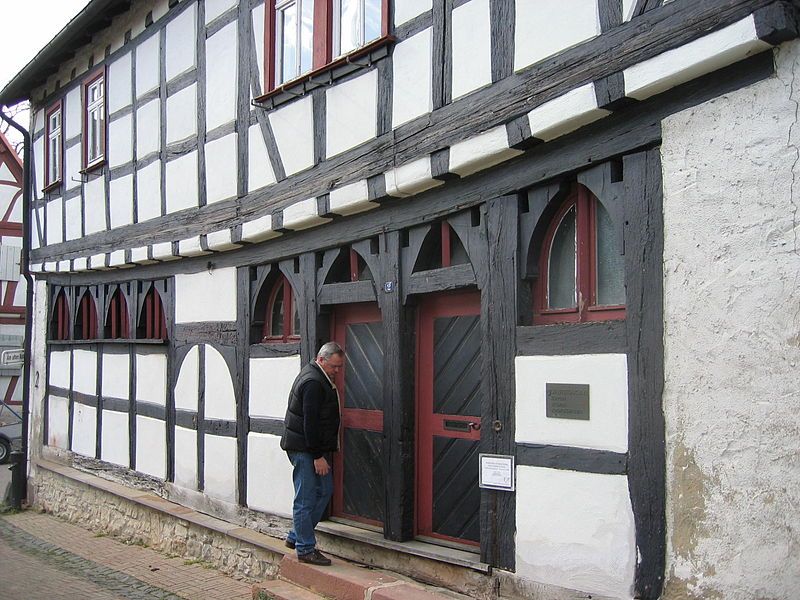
447,410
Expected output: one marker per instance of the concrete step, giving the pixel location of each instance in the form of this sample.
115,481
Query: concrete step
282,590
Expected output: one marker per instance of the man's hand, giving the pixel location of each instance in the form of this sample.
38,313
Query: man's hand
321,466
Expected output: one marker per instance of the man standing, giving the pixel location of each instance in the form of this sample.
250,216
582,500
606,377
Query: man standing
311,433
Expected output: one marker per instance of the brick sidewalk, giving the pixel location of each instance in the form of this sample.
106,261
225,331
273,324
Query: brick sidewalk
55,559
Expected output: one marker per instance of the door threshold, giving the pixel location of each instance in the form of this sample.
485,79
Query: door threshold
435,552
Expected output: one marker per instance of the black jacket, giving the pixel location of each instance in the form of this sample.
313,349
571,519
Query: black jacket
312,417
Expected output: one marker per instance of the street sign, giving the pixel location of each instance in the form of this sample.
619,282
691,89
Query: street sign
12,358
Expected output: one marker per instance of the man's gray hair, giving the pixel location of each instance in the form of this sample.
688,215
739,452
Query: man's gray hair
329,349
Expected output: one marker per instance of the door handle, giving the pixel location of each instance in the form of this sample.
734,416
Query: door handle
475,426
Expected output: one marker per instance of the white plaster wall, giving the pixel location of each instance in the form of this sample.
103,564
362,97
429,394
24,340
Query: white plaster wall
221,168
73,113
258,41
215,8
182,182
147,65
186,458
293,126
120,141
151,378
121,201
269,475
220,399
472,47
57,422
607,377
270,383
119,83
148,192
206,296
566,23
84,429
181,36
405,10
84,371
221,76
220,467
116,375
55,234
187,386
94,205
38,161
148,128
731,341
411,78
114,438
60,362
182,114
72,166
351,113
575,530
151,446
259,167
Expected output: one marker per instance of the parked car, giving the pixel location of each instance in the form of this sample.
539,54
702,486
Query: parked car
10,439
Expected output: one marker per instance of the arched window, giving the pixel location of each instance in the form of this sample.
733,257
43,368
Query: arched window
59,321
86,318
152,325
442,248
116,325
581,270
275,316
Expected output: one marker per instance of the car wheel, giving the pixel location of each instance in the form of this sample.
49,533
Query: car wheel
5,451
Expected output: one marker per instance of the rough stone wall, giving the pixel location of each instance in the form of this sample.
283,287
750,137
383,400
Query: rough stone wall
732,341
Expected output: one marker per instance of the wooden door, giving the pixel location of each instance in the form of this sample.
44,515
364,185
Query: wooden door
358,466
448,417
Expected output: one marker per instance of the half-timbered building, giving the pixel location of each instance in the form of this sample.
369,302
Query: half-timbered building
558,240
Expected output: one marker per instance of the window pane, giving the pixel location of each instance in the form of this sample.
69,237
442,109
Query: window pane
295,318
287,43
276,329
307,36
349,29
610,263
94,135
372,20
561,268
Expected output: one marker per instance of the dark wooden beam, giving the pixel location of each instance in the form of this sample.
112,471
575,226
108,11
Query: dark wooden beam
345,293
569,458
572,338
438,280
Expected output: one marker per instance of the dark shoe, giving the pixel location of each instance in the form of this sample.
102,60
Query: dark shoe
289,544
315,557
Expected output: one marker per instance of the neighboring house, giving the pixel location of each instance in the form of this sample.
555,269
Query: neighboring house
12,285
563,231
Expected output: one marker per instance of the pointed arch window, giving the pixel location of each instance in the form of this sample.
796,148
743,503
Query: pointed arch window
59,320
116,325
275,312
152,324
86,318
582,272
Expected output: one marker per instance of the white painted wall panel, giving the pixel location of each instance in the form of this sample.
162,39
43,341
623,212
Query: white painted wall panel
220,399
607,377
38,161
186,458
148,191
151,446
148,128
587,540
121,201
119,83
84,429
182,114
270,383
472,47
405,10
120,141
182,183
73,113
151,378
221,168
566,23
114,438
411,78
55,234
116,375
187,388
221,76
351,113
94,205
258,40
214,8
58,422
269,475
72,166
181,36
259,173
293,126
220,467
84,371
147,65
60,363
206,296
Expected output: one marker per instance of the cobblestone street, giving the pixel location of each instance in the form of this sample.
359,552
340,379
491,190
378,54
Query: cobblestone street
42,557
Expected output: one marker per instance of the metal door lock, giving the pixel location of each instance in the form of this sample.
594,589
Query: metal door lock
475,426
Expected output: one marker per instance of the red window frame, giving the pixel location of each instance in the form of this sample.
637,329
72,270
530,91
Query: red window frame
92,78
87,311
48,183
152,319
289,335
59,322
117,318
322,44
586,308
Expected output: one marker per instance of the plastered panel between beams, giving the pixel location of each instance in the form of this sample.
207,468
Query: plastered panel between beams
148,128
114,438
147,65
215,8
293,126
270,383
84,378
151,446
220,398
269,475
182,114
121,201
151,378
119,83
222,168
148,192
186,458
54,222
221,76
182,183
84,429
259,173
193,293
405,10
181,33
94,201
258,41
73,113
220,467
187,386
587,542
60,363
38,161
72,166
120,141
58,422
411,78
351,113
116,375
472,47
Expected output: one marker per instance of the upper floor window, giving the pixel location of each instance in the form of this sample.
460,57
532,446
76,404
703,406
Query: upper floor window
94,120
582,272
294,28
355,23
55,145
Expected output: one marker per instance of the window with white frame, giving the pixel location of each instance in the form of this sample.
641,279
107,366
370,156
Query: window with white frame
294,38
355,23
54,145
94,120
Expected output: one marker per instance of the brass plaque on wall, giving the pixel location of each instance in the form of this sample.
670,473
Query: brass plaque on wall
567,401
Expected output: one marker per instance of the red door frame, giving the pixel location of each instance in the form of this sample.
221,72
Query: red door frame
370,420
428,423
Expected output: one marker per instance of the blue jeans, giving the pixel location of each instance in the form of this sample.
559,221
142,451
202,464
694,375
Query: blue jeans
312,493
